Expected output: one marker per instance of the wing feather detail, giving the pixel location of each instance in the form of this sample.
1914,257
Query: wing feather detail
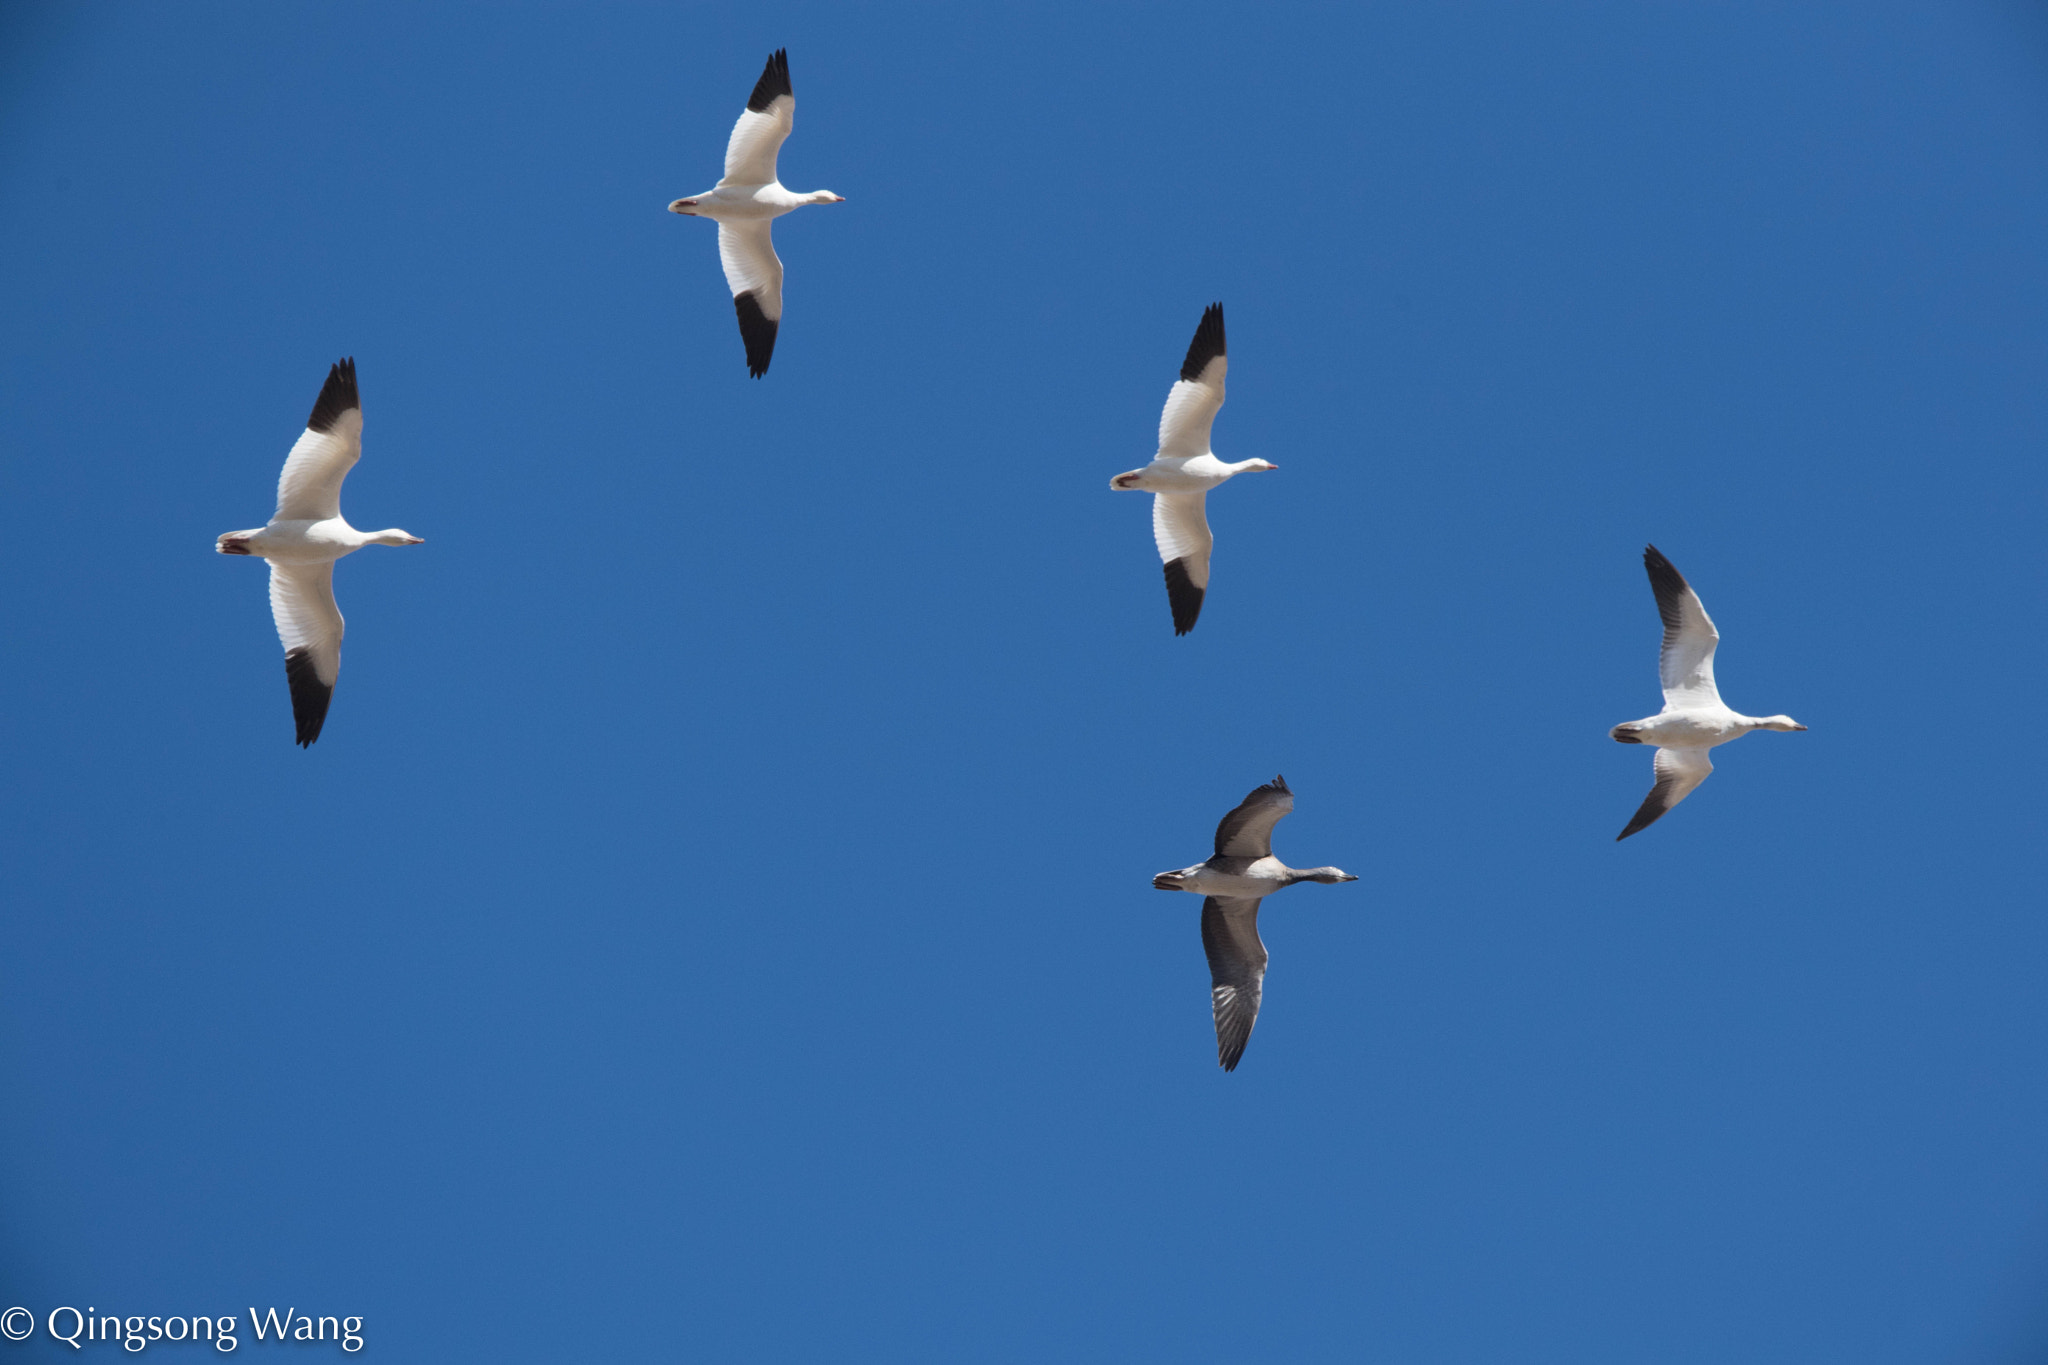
310,626
754,274
1247,832
1237,972
758,136
309,487
1678,771
1685,665
1180,528
1193,402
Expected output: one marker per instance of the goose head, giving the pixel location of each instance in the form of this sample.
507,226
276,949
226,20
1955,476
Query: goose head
1255,466
394,536
1329,876
824,197
1170,881
1779,723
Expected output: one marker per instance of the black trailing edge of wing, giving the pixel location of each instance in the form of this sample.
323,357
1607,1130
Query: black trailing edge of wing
1669,585
309,695
1207,345
1184,595
757,331
774,81
337,396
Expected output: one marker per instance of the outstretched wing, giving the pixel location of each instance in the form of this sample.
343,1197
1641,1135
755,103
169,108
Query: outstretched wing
1686,665
1191,404
1237,972
1678,772
757,137
1180,527
1247,832
309,489
309,623
754,273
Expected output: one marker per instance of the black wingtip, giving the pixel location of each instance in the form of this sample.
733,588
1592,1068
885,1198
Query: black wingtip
757,331
1207,345
337,396
1667,583
1185,597
1659,566
1649,813
774,81
309,695
1278,784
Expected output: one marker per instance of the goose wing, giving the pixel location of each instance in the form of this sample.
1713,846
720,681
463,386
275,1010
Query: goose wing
754,273
1180,527
1237,972
1192,403
1686,665
1247,832
1678,772
309,623
758,136
309,489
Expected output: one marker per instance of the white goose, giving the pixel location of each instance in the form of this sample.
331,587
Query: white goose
746,201
1182,473
1693,719
1243,872
305,536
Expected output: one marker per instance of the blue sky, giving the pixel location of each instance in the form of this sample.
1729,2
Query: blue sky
715,922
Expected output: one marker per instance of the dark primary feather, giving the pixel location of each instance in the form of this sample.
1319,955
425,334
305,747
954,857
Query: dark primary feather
1671,589
1207,345
337,396
1651,811
1237,971
774,81
757,331
309,695
1183,596
1247,832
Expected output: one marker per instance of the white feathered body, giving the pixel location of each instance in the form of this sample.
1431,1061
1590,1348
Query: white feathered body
746,203
302,541
1180,474
1691,727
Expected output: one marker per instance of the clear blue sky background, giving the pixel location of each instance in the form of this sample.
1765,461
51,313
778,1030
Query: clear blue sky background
715,923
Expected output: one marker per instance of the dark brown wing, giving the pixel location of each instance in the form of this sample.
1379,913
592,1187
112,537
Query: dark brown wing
1247,832
1237,971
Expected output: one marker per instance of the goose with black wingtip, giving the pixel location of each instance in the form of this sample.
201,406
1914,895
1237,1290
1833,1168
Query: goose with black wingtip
1185,469
305,536
1694,719
1242,873
747,201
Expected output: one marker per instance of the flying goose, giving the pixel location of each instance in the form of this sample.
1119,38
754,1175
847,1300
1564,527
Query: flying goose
305,536
1243,872
1182,473
746,201
1693,719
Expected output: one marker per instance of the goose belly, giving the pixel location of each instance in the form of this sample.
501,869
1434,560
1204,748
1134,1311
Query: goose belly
305,541
1173,476
1689,730
744,203
1250,884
